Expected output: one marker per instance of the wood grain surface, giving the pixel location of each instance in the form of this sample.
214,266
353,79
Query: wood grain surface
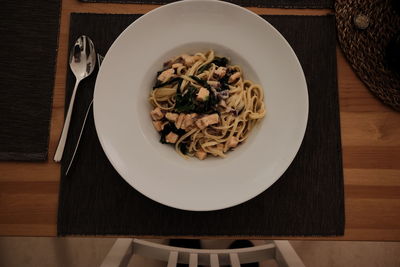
370,139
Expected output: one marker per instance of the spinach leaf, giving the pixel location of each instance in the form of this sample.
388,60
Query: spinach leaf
211,103
179,85
224,86
205,67
183,148
170,127
220,61
186,103
224,80
207,106
157,81
172,81
224,83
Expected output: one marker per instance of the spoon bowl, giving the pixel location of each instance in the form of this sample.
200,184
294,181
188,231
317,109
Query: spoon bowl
82,57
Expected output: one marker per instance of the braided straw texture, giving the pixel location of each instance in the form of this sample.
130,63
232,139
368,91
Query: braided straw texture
365,49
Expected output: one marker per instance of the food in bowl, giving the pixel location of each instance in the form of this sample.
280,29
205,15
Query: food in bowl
202,105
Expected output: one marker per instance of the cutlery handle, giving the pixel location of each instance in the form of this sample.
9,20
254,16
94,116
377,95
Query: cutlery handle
63,138
79,139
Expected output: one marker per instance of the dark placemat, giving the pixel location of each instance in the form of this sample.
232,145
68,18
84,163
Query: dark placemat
306,201
28,50
248,3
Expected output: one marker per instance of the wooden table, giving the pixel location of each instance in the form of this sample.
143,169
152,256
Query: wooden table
370,139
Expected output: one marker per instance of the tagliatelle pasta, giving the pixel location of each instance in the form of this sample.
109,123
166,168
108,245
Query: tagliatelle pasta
204,106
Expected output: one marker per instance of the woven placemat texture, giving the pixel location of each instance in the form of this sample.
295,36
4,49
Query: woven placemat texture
306,201
366,49
247,3
28,50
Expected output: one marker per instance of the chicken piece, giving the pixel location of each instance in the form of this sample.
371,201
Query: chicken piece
189,60
165,75
214,84
158,125
207,120
177,65
156,114
211,119
201,124
232,142
220,72
171,138
179,120
201,154
188,121
171,116
203,94
234,77
221,103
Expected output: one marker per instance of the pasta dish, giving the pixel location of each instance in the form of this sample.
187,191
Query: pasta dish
203,106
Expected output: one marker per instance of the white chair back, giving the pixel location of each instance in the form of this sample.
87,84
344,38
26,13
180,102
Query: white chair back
123,249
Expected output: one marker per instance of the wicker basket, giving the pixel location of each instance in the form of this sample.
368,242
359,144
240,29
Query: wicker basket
365,49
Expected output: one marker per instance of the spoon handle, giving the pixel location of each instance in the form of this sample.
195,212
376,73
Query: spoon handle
61,144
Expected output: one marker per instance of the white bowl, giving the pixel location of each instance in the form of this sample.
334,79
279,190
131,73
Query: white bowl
121,108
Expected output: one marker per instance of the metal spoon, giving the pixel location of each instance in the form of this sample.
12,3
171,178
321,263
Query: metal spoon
82,61
99,61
